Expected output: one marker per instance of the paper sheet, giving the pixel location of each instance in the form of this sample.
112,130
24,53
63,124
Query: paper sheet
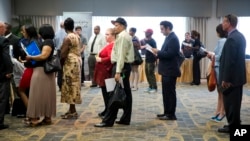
110,84
149,48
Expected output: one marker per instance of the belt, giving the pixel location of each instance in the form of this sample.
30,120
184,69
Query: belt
93,53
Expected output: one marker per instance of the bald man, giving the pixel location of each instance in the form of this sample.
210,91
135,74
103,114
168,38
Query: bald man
96,43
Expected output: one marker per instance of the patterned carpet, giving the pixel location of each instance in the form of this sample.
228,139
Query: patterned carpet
195,105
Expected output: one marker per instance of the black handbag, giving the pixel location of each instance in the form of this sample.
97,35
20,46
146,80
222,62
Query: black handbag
138,59
117,97
52,64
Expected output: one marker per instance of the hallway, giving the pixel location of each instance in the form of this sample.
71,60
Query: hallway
195,105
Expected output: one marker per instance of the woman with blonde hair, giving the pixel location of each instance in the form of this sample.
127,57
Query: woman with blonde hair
103,67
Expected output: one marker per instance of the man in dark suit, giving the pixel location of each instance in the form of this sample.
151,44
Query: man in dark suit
14,41
232,61
6,69
169,69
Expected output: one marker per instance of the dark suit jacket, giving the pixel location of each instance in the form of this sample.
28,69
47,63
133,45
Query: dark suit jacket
6,65
14,41
168,62
232,62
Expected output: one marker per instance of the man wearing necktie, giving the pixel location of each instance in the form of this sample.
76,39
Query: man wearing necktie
95,44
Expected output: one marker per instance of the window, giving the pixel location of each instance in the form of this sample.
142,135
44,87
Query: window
243,28
143,23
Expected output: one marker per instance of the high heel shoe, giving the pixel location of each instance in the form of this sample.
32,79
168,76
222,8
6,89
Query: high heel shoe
218,119
70,116
215,117
32,123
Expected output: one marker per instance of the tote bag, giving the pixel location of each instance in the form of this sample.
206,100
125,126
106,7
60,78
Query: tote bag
211,76
117,97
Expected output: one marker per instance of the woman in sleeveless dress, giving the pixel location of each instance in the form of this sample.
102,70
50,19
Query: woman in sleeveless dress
71,62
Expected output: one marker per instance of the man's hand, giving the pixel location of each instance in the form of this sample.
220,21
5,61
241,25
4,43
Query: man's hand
155,50
117,77
9,75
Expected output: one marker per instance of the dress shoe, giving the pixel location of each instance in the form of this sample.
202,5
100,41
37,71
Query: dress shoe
93,85
4,126
102,124
101,115
160,115
224,129
194,83
168,118
121,122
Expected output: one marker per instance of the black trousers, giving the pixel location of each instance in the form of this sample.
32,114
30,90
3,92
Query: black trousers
4,98
105,96
59,78
111,113
232,98
59,73
82,74
91,63
169,95
196,70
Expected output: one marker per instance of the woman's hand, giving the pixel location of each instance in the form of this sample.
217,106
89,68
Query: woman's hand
28,58
98,59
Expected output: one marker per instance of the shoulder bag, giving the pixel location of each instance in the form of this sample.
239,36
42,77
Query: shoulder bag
52,64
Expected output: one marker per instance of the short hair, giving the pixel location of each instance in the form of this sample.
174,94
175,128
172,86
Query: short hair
167,24
69,24
133,29
31,31
195,33
220,31
46,31
232,19
8,26
78,27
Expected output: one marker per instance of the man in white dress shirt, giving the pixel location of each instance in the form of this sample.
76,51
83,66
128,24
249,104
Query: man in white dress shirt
96,43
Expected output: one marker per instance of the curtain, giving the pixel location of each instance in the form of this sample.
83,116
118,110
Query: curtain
199,24
37,21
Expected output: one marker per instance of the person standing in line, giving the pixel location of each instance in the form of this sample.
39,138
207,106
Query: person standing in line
135,72
169,69
14,41
122,56
15,49
187,46
95,44
78,31
6,69
220,111
42,97
104,67
150,61
71,61
232,62
196,58
58,40
29,35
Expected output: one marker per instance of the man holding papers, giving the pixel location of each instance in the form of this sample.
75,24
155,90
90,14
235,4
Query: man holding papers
169,69
150,61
